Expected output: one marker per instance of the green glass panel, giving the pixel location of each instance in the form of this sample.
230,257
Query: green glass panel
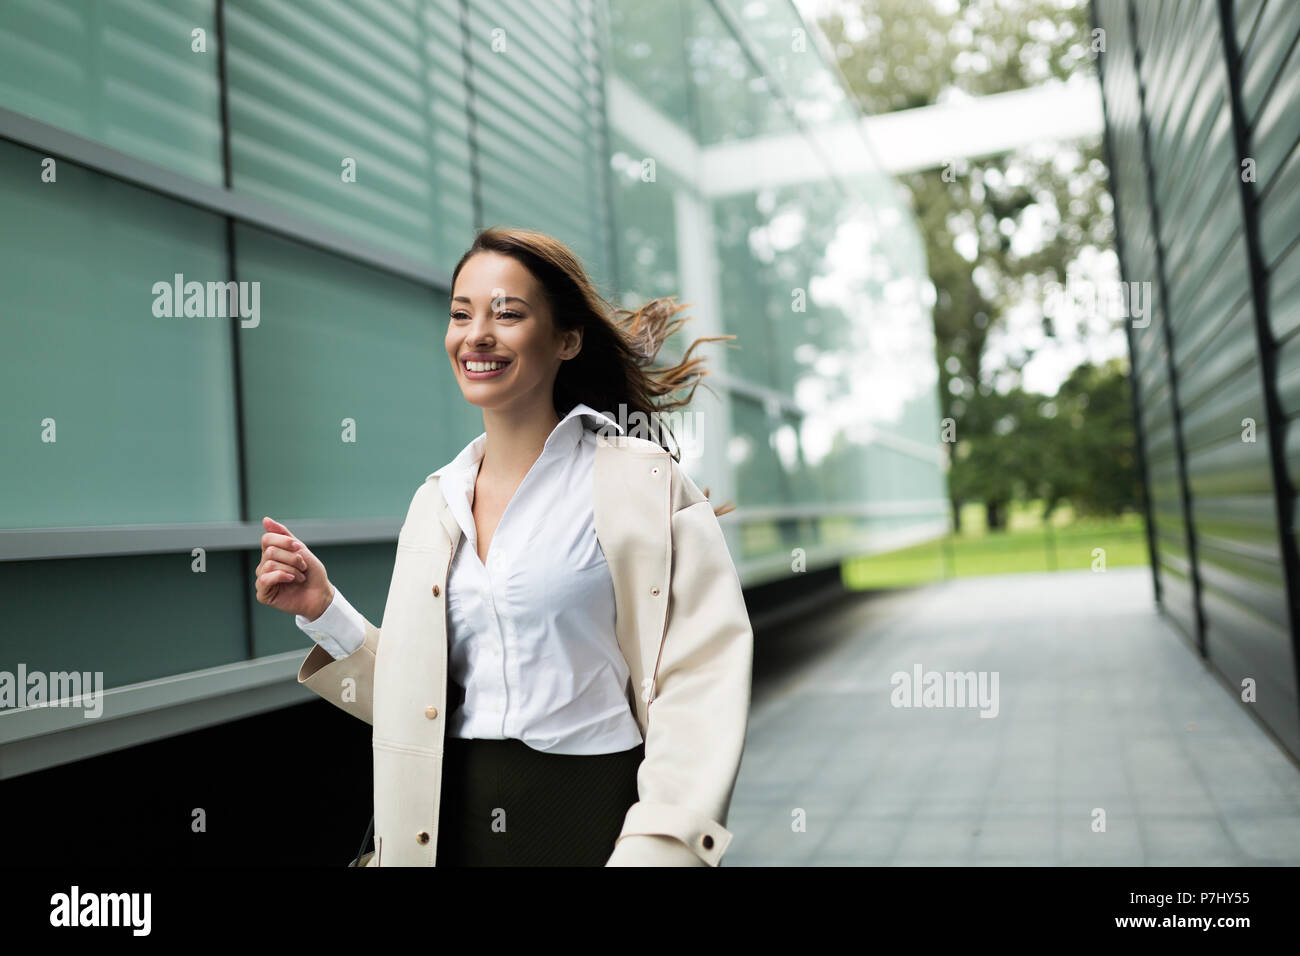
140,405
125,73
648,53
789,51
760,479
536,102
354,115
645,226
133,618
733,101
349,397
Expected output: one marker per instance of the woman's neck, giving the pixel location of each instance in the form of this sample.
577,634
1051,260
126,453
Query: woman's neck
515,438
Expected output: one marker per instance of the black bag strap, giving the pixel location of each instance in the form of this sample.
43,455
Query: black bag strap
365,841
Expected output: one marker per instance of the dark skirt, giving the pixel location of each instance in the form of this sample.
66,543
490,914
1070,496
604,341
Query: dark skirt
507,804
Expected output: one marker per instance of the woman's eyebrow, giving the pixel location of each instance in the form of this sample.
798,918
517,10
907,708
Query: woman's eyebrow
509,298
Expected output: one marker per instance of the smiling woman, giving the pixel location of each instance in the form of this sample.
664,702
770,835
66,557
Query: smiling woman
525,317
572,686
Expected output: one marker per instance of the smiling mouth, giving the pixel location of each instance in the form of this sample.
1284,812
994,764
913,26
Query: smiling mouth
482,370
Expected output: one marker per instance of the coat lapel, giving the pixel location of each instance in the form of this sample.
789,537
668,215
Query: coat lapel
445,516
632,504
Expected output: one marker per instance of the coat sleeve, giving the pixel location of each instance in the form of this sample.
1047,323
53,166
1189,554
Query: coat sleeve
348,682
697,719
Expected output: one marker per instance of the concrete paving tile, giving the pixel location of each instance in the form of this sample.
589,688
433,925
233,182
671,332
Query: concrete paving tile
928,861
1194,838
1155,860
950,838
1005,862
1266,839
1022,837
1184,773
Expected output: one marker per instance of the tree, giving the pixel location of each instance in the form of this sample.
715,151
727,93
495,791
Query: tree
900,54
1098,445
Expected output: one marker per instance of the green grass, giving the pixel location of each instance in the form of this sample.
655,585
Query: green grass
1023,547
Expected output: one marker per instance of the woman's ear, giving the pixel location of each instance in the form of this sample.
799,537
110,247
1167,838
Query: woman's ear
572,343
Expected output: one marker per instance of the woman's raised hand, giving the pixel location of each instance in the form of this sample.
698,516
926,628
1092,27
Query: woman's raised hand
289,577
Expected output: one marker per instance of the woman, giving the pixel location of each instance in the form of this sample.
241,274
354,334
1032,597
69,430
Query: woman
563,676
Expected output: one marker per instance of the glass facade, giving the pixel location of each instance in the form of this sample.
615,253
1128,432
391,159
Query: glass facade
341,155
726,122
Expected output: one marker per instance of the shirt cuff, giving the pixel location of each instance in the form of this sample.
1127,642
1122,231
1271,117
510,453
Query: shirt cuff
341,630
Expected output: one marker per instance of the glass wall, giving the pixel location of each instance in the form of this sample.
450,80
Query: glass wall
726,121
333,161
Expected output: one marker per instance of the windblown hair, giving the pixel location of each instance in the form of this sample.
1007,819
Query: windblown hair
612,371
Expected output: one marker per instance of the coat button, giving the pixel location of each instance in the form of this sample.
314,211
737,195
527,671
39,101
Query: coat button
436,592
431,712
708,842
654,591
422,836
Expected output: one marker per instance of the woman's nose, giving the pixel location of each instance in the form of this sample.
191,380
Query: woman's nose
479,327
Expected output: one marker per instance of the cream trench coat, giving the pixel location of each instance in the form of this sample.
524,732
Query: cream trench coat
681,624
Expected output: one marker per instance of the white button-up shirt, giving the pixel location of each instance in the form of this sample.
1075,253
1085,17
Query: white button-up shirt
531,634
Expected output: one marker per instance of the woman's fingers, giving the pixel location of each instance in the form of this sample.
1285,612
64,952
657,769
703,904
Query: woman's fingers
282,541
293,559
270,524
277,535
268,584
268,567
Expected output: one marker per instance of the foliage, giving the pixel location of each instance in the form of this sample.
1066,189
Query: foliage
996,231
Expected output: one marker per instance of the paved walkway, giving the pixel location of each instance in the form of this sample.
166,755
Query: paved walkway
1101,706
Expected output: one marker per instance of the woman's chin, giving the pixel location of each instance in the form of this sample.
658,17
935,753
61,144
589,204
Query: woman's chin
482,397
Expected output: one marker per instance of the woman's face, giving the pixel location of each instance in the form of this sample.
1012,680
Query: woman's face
501,340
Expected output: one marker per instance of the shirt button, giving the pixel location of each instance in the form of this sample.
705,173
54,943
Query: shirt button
422,836
436,592
654,470
431,712
708,842
654,591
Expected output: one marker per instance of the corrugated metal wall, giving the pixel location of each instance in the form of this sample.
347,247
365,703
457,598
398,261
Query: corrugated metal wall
1205,167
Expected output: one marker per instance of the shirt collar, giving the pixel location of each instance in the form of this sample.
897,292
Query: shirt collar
570,427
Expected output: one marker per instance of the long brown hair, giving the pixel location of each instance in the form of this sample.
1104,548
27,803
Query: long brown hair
613,368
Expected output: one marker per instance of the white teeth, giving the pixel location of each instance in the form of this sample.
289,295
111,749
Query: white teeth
484,366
